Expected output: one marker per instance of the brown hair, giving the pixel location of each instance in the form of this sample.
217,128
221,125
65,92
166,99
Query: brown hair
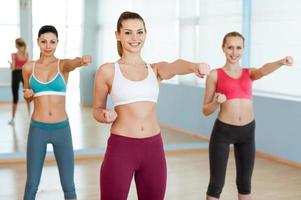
125,16
233,34
20,43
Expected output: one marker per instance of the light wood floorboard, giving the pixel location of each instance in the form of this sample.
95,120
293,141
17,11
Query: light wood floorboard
188,171
187,179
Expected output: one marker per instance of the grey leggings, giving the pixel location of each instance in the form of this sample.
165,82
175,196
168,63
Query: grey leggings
243,138
59,135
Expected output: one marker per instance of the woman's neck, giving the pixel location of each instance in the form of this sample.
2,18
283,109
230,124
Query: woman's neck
232,66
46,59
21,52
131,59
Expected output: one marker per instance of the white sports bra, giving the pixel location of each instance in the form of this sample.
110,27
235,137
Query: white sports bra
125,91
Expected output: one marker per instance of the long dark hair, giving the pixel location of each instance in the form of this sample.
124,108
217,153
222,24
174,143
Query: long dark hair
125,16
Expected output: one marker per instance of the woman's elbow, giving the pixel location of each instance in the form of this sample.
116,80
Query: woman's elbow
205,112
165,75
95,115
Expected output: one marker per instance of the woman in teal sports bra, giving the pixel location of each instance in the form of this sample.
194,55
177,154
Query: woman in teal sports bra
45,82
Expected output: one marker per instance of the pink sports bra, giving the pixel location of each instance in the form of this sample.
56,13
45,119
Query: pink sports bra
19,62
234,88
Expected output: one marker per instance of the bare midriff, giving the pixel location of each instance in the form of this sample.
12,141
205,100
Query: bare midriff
136,120
49,109
237,112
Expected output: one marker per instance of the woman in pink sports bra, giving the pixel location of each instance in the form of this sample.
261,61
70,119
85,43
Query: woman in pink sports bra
18,59
135,146
230,88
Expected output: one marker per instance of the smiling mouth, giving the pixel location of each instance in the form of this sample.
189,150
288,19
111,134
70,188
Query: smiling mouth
234,58
136,44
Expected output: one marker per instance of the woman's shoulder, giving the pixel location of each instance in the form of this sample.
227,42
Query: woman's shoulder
158,64
106,69
28,65
213,72
212,76
13,55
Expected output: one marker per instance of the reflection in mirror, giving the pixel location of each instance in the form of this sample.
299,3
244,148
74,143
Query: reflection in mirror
89,137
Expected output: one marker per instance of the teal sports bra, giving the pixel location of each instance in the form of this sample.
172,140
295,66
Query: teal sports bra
56,86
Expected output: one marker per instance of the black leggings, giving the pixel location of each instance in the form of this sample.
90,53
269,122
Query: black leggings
15,82
243,138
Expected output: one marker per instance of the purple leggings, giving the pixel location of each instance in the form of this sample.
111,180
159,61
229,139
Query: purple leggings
127,157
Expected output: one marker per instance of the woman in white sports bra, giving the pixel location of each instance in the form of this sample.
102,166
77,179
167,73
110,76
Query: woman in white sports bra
45,82
135,146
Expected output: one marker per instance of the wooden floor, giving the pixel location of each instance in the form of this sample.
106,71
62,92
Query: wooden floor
188,170
187,180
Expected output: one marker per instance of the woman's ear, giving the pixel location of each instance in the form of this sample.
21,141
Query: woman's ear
117,36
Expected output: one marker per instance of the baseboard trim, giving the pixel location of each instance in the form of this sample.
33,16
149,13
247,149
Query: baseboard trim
278,159
169,150
258,153
193,133
172,152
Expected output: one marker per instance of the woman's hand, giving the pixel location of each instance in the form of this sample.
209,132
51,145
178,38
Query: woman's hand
86,60
220,98
28,93
109,116
202,70
11,65
288,60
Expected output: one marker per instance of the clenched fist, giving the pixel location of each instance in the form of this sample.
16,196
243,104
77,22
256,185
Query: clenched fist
109,116
288,60
27,93
202,70
220,98
86,60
